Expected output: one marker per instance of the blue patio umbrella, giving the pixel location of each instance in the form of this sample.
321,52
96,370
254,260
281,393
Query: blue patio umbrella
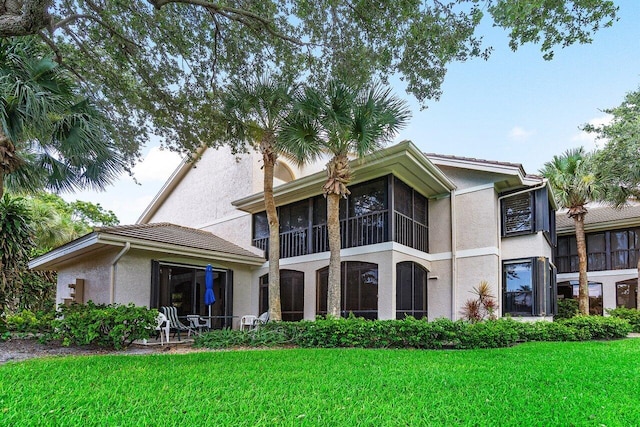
209,296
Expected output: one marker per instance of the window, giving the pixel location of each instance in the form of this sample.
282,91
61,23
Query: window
528,287
517,216
291,295
627,293
518,283
529,212
567,254
183,286
570,289
596,252
359,289
411,290
609,250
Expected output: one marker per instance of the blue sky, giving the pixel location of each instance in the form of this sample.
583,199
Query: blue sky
515,107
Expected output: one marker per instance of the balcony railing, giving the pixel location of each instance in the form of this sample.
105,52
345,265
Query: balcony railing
411,233
357,231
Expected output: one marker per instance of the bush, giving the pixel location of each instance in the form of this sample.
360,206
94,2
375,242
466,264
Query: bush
598,327
419,334
567,308
29,322
115,326
630,314
265,336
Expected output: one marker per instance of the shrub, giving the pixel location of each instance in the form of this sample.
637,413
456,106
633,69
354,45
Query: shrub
413,333
598,327
482,308
115,326
29,322
630,314
276,334
567,308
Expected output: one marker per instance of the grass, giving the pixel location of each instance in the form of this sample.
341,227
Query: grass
585,383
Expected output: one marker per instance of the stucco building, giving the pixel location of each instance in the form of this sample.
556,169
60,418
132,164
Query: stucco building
613,245
419,232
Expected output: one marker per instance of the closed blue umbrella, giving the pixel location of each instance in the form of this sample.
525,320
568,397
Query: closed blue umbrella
209,296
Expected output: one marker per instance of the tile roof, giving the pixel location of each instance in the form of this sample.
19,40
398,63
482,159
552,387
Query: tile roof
599,214
172,234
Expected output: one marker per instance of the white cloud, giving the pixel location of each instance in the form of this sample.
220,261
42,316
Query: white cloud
518,133
588,140
157,165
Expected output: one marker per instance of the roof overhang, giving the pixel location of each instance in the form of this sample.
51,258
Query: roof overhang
99,241
403,160
514,174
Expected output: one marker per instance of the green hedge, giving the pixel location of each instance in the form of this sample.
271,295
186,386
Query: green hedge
630,314
114,326
419,334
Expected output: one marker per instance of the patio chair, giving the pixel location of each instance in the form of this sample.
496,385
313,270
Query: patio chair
163,327
261,320
175,324
197,323
247,322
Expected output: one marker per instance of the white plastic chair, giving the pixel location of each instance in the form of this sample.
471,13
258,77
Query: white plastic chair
163,326
196,323
247,322
261,320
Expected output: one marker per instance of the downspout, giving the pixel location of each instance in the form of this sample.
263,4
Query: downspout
499,216
112,291
454,269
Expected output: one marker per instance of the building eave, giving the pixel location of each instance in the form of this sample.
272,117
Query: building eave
403,160
98,241
519,178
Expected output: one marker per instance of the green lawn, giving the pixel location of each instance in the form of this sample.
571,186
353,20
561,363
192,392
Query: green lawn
586,383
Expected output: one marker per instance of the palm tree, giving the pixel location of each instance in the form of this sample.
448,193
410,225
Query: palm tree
50,136
255,111
341,121
575,183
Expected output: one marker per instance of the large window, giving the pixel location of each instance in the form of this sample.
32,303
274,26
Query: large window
627,293
528,287
518,295
291,294
359,289
411,290
571,289
183,287
609,250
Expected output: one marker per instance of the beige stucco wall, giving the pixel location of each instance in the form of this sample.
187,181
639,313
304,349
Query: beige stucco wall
473,270
94,270
526,246
477,216
440,225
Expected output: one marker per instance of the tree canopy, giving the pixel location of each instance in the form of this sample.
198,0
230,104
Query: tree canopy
157,66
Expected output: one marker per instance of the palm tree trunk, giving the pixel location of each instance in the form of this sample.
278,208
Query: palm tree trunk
275,309
333,228
583,283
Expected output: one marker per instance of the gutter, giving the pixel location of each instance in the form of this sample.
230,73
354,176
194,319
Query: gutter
454,268
112,290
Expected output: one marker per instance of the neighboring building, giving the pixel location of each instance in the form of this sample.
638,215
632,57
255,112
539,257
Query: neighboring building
420,231
613,244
